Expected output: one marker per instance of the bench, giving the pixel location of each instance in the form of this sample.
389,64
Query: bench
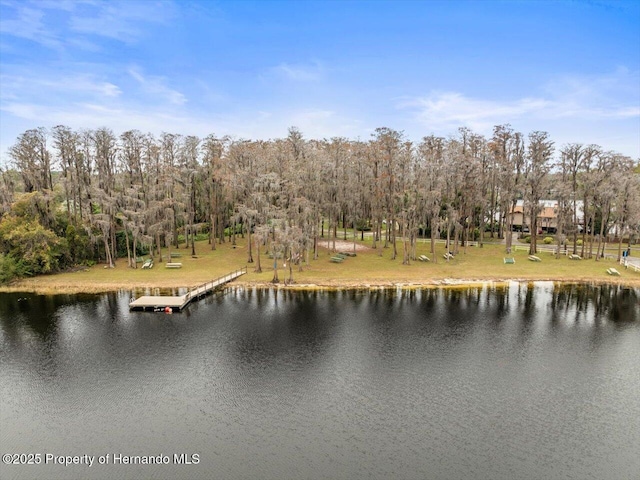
173,265
339,257
575,257
424,258
175,255
348,254
533,258
509,261
147,264
613,271
448,256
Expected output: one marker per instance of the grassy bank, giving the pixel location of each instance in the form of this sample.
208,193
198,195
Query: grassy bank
366,270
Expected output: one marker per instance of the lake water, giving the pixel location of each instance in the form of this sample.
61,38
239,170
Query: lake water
522,382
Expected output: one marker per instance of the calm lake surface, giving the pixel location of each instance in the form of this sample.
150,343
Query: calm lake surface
522,382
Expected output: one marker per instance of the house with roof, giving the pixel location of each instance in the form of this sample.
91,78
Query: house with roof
547,217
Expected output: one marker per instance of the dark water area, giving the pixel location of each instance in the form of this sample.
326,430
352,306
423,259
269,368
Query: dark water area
533,381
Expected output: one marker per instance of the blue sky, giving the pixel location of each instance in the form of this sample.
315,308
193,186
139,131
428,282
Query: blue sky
333,68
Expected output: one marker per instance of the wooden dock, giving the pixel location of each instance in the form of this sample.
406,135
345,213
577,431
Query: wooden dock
177,303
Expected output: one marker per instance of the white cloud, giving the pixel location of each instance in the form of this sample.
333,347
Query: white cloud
156,86
95,115
570,98
27,111
61,24
118,21
29,23
450,110
610,96
314,123
122,21
65,5
299,72
36,84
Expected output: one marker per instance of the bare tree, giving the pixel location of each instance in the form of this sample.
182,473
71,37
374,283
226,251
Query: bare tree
7,189
587,185
136,191
628,209
537,166
213,151
507,150
431,164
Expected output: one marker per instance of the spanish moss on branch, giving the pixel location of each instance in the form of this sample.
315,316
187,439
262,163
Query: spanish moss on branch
90,196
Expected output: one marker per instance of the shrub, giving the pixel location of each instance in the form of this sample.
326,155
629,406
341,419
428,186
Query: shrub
199,237
38,249
547,240
363,226
579,242
11,268
527,239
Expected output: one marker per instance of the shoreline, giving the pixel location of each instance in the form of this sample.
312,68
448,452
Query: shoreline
100,288
369,270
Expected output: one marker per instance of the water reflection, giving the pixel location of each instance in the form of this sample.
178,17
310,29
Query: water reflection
481,382
299,322
588,302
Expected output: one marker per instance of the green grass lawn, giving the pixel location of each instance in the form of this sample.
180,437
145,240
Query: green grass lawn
368,268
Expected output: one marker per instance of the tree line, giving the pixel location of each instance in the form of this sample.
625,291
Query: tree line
82,196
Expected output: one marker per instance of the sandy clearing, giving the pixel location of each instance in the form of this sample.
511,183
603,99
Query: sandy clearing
342,245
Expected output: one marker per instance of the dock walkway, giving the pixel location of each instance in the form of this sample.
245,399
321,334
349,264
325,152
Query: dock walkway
160,302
